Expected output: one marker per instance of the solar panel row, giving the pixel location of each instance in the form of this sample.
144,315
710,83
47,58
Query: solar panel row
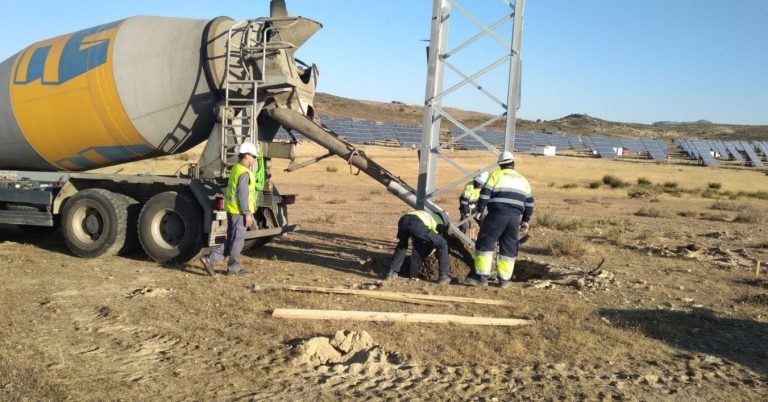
410,135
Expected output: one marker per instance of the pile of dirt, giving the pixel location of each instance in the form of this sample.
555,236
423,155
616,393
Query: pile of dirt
344,349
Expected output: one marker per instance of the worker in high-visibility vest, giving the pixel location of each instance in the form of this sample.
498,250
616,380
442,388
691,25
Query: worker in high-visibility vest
469,198
509,199
240,204
427,230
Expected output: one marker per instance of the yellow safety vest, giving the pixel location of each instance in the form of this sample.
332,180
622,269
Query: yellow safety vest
430,220
230,196
471,193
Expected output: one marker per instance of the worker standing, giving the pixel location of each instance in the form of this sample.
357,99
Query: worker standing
509,199
469,198
427,230
240,205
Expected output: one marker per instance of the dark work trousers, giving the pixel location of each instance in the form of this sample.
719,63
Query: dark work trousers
410,226
233,245
503,228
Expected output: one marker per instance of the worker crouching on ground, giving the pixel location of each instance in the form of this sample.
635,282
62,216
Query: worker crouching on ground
240,204
427,230
469,198
509,199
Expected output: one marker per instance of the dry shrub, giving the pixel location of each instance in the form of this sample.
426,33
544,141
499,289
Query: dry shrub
760,195
649,236
336,201
611,221
707,216
331,169
714,186
570,185
709,193
670,184
642,181
615,235
550,220
688,214
595,185
649,212
568,246
614,181
722,205
751,215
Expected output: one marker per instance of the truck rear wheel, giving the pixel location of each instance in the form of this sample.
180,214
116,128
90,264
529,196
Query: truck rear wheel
94,223
171,227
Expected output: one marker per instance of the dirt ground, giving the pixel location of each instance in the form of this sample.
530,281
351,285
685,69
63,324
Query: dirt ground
675,312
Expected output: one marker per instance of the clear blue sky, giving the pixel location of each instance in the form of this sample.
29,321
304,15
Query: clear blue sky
634,61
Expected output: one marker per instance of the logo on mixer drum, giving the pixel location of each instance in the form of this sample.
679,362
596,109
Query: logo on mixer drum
61,59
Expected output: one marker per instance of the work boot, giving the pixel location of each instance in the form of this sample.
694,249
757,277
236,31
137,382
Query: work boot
207,264
444,280
482,281
390,275
503,284
240,272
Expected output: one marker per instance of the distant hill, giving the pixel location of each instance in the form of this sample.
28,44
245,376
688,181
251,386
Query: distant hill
395,111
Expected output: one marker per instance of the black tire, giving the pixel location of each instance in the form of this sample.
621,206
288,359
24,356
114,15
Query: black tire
133,208
171,227
93,223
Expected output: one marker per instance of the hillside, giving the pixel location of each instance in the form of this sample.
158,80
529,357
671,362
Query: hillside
335,106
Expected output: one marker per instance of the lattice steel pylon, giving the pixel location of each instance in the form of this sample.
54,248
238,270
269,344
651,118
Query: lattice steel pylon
434,108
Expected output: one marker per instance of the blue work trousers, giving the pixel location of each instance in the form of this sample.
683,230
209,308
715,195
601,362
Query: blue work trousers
233,245
503,228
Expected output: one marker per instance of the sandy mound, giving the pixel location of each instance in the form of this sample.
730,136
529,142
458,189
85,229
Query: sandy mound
345,348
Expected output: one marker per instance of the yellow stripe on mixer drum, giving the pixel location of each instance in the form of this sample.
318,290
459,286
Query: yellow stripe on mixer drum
65,100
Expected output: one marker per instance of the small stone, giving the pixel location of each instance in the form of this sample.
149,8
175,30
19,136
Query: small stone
712,360
687,300
650,379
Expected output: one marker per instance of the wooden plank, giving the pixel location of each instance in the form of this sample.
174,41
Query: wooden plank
391,295
396,317
369,294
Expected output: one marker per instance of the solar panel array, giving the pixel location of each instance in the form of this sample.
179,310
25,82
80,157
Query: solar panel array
707,152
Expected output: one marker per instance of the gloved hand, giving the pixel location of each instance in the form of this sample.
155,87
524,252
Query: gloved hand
524,226
479,217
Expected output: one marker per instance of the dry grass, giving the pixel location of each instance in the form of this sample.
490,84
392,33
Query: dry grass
615,235
551,220
717,217
751,215
331,169
336,201
569,246
688,214
649,212
722,205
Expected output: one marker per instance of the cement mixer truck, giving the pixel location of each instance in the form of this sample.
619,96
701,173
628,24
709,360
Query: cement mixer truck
145,87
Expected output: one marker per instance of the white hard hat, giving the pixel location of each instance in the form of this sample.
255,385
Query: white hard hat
506,157
481,178
248,148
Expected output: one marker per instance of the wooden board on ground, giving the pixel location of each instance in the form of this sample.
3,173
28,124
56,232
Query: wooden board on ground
397,317
404,297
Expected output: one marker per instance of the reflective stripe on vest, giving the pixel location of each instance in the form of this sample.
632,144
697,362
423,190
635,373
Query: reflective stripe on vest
230,195
430,220
507,186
